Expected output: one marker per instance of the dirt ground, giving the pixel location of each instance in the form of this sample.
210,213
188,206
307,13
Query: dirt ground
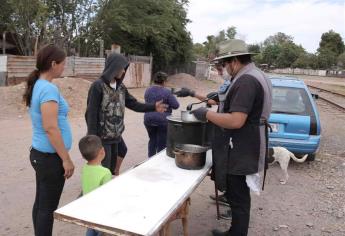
311,203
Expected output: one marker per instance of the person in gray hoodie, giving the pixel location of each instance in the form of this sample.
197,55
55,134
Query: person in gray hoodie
106,102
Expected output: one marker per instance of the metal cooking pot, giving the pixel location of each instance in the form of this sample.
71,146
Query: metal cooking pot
186,116
190,156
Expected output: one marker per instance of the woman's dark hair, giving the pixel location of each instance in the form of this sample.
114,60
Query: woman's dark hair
44,59
160,77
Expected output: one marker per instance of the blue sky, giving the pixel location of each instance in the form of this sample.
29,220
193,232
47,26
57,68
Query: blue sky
304,20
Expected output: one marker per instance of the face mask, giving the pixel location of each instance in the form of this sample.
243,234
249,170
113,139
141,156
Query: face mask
113,85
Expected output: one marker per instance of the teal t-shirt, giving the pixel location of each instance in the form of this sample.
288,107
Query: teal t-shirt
94,176
45,91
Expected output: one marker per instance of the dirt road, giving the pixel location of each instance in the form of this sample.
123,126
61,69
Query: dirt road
311,203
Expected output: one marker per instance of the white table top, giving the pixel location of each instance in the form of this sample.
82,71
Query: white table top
139,201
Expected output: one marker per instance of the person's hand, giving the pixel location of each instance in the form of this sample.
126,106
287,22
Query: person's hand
185,92
200,113
213,95
68,167
160,106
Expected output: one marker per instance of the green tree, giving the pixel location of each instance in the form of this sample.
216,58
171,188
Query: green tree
25,20
198,51
270,54
306,60
254,48
331,41
6,10
289,52
280,51
210,46
326,58
278,39
144,26
341,60
231,32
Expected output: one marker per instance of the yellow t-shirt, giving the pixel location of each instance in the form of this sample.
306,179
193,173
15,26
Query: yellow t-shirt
94,176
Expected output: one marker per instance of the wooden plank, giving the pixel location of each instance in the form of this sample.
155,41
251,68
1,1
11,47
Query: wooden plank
138,202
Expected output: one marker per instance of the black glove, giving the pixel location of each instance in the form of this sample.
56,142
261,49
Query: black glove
200,113
213,96
185,92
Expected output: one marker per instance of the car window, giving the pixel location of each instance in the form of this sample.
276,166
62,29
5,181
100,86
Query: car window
291,101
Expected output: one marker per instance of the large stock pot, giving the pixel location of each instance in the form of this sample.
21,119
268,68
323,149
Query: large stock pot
182,132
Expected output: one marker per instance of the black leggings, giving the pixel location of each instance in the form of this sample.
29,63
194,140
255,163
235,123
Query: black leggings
49,185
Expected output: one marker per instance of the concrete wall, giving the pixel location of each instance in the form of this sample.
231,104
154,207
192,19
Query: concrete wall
298,71
15,69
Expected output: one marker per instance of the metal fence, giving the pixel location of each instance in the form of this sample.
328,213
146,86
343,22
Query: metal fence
15,69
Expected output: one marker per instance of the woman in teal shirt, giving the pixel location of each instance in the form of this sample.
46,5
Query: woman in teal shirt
51,139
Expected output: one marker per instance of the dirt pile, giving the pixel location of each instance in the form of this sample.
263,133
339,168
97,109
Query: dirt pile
74,90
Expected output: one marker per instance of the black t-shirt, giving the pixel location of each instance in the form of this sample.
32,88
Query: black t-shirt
246,95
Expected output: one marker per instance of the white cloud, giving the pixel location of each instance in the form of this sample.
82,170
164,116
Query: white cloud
256,20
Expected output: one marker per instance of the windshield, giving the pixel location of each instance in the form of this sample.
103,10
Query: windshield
291,101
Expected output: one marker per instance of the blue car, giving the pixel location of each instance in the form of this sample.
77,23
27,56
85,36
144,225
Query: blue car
294,119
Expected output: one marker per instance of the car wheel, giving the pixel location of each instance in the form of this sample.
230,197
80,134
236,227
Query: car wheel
311,157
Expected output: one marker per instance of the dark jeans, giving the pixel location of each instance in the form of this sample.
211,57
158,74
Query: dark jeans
111,152
49,185
158,138
92,232
238,195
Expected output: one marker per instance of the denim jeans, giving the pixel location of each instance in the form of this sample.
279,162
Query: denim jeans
158,138
49,185
92,232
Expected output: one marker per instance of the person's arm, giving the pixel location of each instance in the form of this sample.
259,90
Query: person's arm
244,94
233,120
172,101
93,105
49,111
133,104
185,92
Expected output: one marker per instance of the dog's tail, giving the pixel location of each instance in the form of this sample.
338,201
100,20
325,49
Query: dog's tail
299,160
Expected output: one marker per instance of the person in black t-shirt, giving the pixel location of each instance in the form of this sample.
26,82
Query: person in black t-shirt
239,144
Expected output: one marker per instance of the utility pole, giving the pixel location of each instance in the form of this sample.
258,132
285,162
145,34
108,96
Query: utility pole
4,43
101,48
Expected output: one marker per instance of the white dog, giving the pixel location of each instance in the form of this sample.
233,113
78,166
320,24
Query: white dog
282,156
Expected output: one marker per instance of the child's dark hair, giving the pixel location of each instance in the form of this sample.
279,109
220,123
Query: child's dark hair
89,147
44,59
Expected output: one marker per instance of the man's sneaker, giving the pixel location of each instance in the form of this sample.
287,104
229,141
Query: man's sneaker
221,199
226,215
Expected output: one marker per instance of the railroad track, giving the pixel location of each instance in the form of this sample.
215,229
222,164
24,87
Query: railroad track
342,107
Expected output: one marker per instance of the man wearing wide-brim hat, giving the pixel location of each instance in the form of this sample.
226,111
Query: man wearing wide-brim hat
240,140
